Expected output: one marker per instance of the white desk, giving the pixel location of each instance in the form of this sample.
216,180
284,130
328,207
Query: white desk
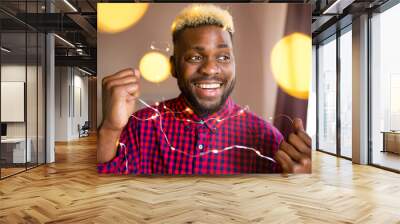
17,147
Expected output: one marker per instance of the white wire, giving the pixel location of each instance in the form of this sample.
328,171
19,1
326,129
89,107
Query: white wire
214,151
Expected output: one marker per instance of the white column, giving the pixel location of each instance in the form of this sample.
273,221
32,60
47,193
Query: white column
50,92
50,103
360,90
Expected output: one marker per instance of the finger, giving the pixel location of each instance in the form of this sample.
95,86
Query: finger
299,129
133,92
131,98
136,73
304,167
121,74
123,91
298,144
305,137
306,162
281,162
285,161
299,169
136,94
120,82
130,88
291,151
298,124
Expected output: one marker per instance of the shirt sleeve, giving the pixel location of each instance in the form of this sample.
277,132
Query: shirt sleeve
275,147
127,158
273,138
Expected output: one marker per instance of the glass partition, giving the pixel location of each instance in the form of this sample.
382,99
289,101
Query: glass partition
22,88
385,89
346,93
41,96
14,153
327,96
31,99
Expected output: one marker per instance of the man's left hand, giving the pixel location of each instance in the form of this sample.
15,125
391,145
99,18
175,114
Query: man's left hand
294,154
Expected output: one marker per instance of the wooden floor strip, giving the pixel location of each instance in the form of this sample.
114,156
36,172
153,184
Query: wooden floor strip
71,191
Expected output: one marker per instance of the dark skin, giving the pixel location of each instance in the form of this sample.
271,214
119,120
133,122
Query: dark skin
204,55
206,52
204,66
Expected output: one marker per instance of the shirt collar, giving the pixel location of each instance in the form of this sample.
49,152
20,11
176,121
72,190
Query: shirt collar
211,121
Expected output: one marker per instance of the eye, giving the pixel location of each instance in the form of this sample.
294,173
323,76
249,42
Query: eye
194,58
223,58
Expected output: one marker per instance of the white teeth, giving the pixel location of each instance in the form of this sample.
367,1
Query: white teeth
209,86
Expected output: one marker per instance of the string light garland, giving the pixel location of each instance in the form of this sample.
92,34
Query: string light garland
287,117
159,115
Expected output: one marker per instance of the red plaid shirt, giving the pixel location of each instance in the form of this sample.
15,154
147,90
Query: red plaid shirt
147,150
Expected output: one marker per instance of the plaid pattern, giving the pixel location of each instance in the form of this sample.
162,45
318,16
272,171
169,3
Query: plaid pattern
147,151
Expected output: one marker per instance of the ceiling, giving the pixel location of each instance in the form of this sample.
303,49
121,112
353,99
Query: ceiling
77,26
76,22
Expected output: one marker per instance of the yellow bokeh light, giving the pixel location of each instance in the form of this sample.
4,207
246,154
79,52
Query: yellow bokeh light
291,64
117,17
154,67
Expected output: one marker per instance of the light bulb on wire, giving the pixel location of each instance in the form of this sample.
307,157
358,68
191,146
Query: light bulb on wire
154,65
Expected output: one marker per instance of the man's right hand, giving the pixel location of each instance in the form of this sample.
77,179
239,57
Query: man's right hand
120,92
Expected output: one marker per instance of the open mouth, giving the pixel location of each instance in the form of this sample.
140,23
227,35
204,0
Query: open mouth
208,85
208,90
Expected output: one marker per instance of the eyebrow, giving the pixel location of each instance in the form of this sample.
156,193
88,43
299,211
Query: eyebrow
199,48
223,46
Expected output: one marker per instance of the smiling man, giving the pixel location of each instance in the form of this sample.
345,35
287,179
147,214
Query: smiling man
202,131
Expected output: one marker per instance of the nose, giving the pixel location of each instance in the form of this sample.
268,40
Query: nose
210,67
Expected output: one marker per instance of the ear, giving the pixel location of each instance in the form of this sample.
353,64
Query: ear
172,64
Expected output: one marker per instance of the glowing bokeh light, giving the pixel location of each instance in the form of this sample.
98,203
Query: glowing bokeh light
155,67
117,17
291,64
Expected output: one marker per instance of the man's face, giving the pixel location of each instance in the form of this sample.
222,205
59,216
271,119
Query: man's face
204,66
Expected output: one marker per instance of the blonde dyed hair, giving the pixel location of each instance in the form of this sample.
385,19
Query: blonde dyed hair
197,15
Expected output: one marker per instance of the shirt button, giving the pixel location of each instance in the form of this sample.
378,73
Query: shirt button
201,146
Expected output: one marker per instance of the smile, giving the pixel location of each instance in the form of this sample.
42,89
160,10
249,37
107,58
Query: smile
210,90
208,85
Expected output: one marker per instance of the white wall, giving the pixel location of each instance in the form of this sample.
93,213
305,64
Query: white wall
79,117
61,103
15,72
69,82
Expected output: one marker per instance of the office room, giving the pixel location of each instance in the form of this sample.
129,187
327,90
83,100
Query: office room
182,112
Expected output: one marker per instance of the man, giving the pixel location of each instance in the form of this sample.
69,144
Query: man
202,131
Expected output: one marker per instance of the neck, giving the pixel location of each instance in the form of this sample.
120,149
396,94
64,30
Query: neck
202,112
